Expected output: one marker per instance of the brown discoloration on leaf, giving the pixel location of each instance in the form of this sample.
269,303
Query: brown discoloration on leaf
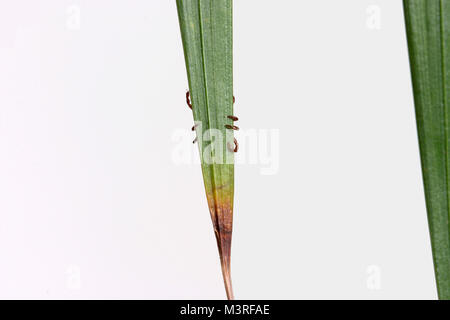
222,186
222,218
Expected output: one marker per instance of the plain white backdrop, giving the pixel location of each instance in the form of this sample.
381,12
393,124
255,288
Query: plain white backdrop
94,205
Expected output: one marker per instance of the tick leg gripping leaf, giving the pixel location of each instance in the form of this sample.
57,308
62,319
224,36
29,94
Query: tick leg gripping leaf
206,30
428,32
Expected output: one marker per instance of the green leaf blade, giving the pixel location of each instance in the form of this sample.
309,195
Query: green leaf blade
206,30
427,25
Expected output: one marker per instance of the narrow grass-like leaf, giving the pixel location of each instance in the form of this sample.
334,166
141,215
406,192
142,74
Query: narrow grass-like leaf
206,30
428,32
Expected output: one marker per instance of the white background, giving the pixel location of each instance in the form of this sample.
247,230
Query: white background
93,205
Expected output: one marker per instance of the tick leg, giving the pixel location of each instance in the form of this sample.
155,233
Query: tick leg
188,100
236,146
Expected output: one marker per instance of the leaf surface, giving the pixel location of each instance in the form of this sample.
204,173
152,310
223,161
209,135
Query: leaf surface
206,30
428,33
